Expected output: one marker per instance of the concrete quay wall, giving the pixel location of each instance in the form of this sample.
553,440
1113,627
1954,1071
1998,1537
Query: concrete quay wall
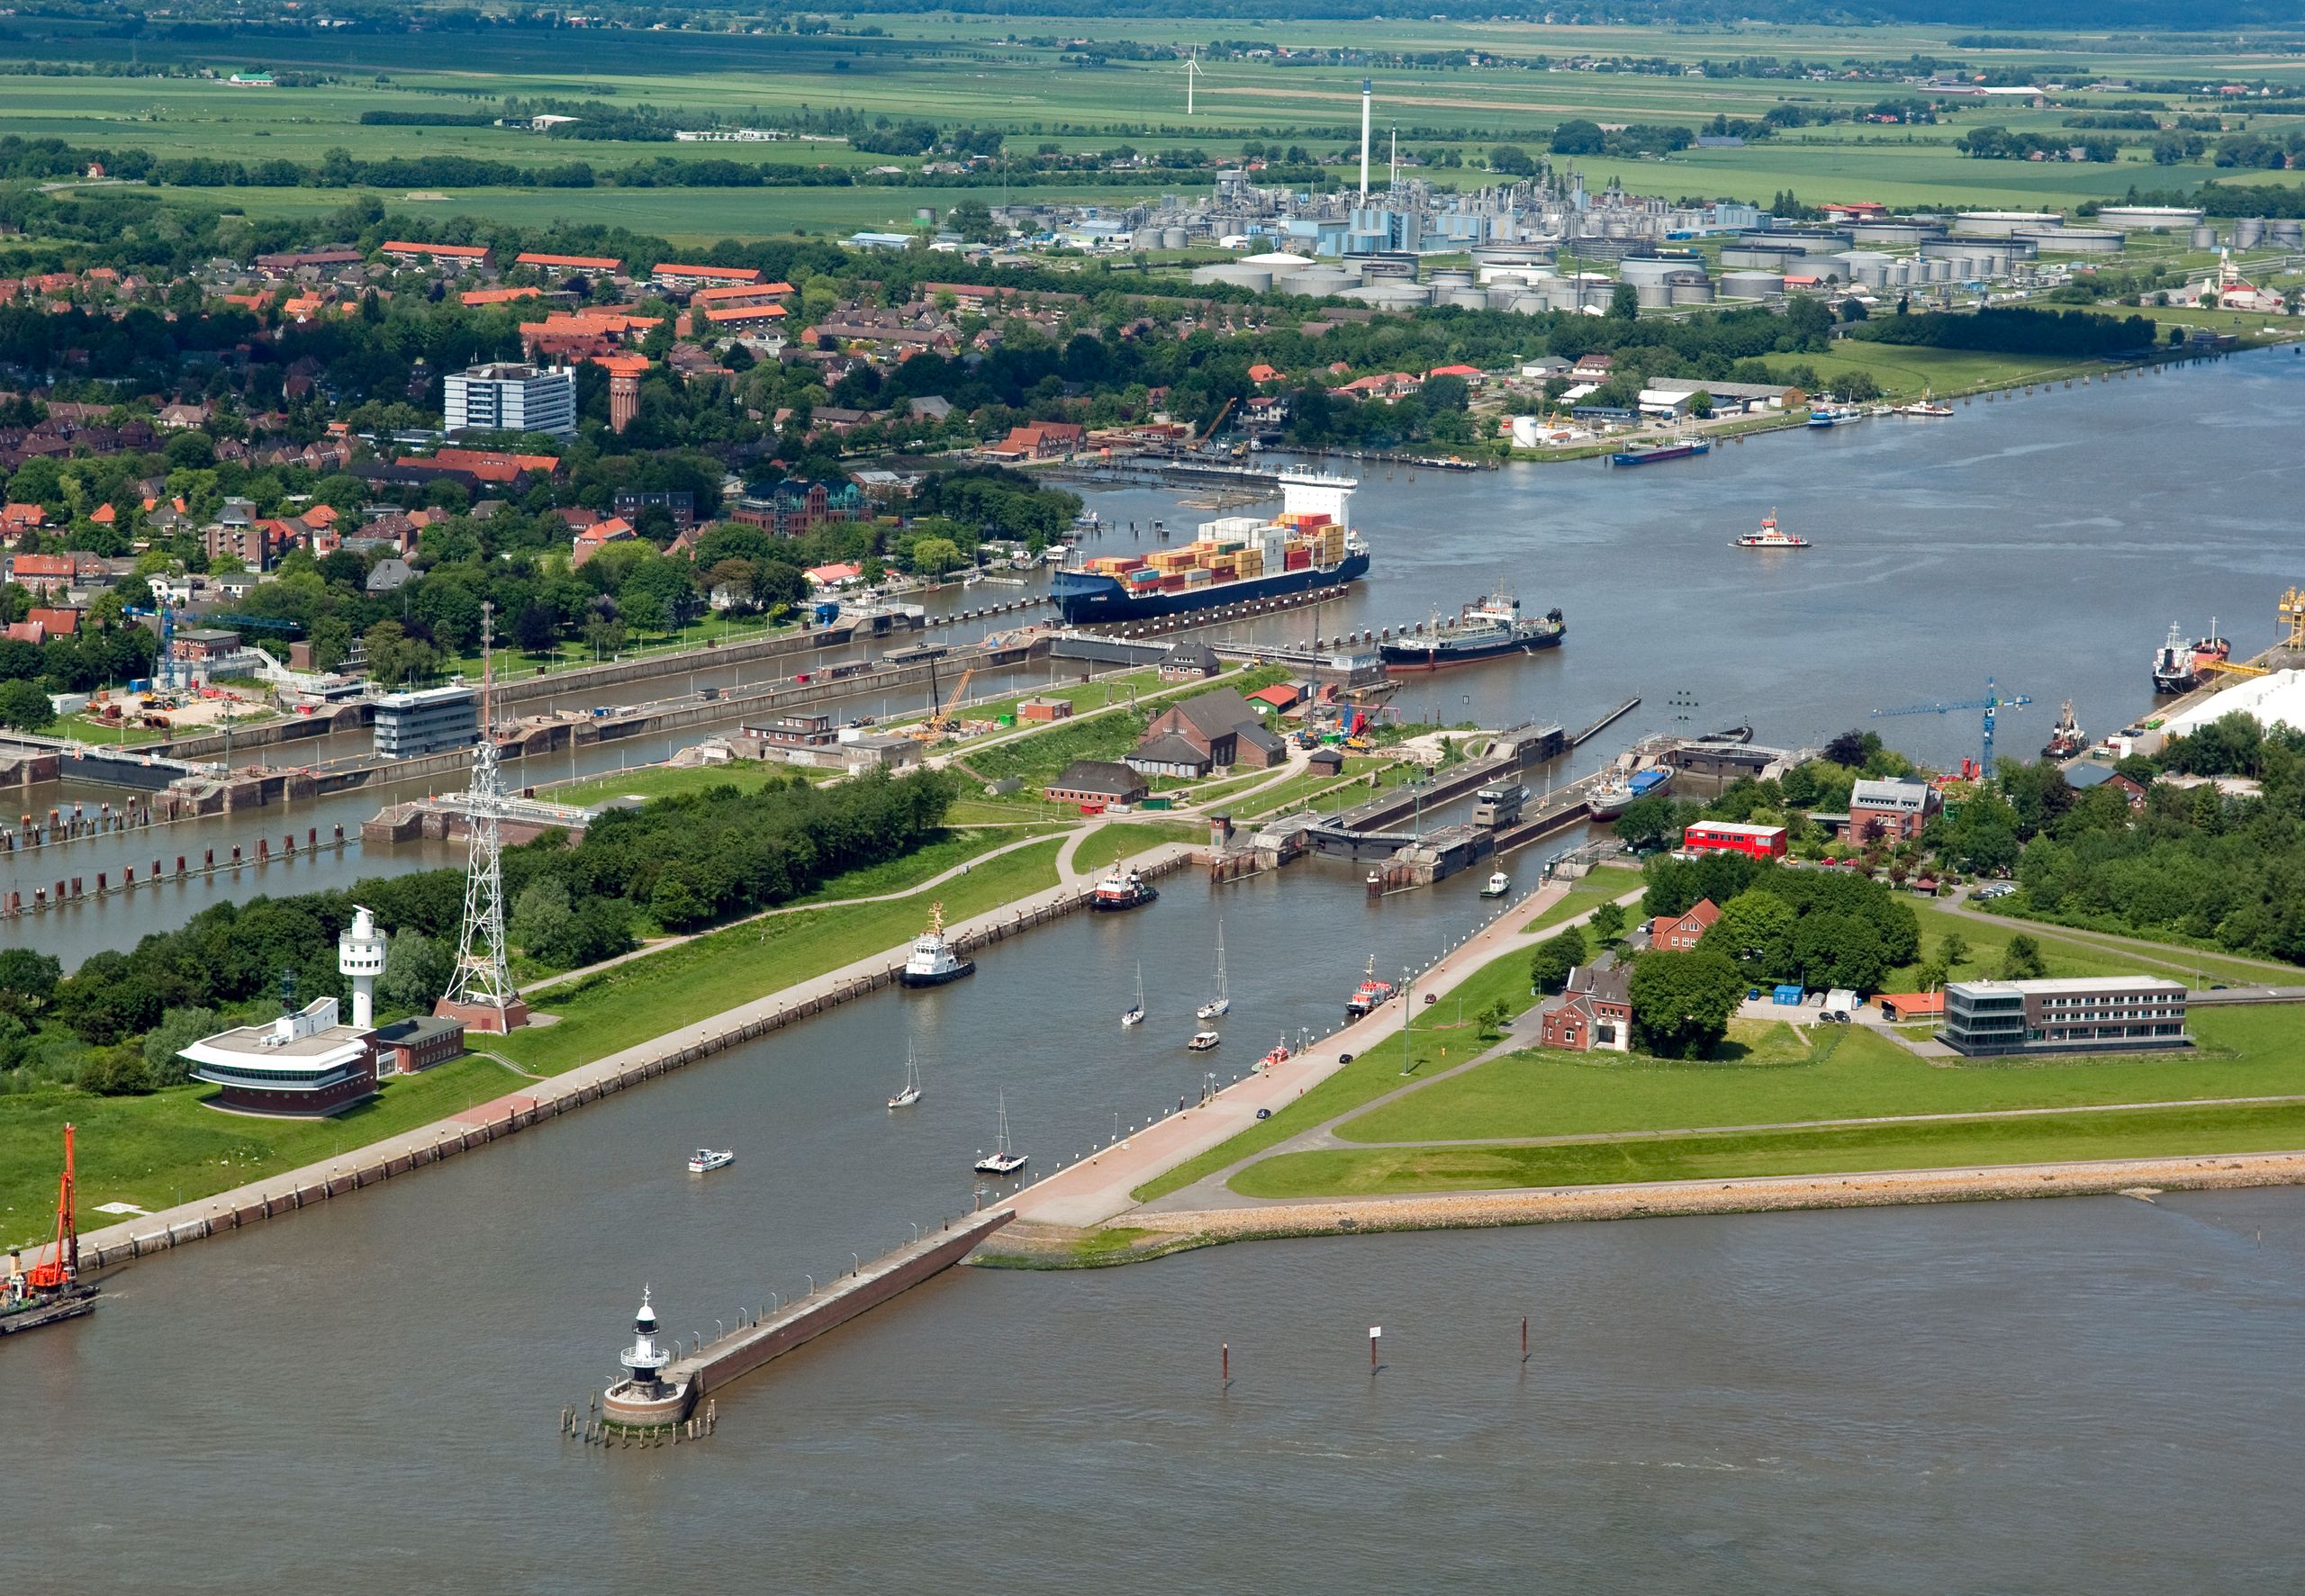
749,1347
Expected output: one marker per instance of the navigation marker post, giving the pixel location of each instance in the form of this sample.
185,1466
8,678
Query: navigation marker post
1376,1334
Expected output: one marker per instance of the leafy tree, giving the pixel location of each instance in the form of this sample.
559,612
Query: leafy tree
1577,136
416,969
1755,929
1625,302
1649,822
1551,960
1953,950
395,658
27,979
2021,959
933,557
1853,748
540,915
114,1072
24,707
179,1028
536,628
1608,923
1513,160
1681,1002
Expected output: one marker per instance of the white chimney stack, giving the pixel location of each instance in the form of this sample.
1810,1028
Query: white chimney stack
360,959
1368,90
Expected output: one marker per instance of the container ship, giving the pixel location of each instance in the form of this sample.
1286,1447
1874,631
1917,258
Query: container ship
1235,559
1483,629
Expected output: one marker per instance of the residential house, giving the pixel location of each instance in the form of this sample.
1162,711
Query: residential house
1595,1011
557,265
675,279
830,578
1042,441
1593,368
42,574
597,536
447,258
1189,661
1168,754
1679,934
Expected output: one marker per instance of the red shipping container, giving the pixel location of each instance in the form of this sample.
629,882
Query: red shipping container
1172,584
1300,559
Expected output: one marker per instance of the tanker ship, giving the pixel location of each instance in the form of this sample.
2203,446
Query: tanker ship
1235,560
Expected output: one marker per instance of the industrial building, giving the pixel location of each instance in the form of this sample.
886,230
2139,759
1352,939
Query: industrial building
426,721
2096,1014
510,397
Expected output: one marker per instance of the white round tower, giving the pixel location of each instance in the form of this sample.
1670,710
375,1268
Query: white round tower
644,1398
360,959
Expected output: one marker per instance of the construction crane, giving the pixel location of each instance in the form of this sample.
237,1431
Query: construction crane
2228,668
1213,425
1992,703
2292,618
951,720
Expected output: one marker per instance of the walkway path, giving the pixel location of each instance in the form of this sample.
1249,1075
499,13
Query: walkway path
1098,1188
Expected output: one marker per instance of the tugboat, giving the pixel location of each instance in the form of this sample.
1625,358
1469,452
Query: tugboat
48,1292
1487,628
1122,889
1003,1159
932,961
1370,994
2067,740
1769,536
2173,664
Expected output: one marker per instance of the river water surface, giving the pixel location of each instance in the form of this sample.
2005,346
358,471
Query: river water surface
2084,1394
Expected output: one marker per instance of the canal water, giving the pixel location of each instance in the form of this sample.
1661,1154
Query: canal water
2077,1394
2046,542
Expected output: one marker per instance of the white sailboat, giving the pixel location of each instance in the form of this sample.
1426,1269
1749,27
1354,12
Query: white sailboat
1003,1159
1221,1003
1136,1016
910,1095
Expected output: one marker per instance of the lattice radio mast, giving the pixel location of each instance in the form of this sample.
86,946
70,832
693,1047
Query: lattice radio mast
481,990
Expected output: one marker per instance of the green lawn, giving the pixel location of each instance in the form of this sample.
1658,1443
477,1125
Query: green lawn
680,986
1436,1038
1916,1145
2243,1052
1989,945
1123,839
1325,794
167,1147
1603,885
656,781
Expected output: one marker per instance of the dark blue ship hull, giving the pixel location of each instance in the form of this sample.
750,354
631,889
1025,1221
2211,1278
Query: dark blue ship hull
1088,598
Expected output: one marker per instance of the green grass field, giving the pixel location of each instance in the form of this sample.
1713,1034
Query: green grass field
680,986
2243,1052
1916,1145
1589,892
166,1147
1125,839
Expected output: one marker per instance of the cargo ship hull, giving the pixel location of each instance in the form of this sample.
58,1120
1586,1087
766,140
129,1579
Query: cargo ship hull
1680,451
1442,655
1090,598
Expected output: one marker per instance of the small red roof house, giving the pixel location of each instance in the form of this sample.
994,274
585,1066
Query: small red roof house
18,517
1262,372
1802,280
1390,384
578,517
1039,441
1281,695
1472,374
1678,934
1594,368
39,572
58,621
833,576
104,516
597,536
1911,1006
490,465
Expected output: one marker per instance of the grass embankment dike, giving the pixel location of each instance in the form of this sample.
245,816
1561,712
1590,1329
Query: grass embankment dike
626,1005
1738,1117
167,1147
1436,1040
1605,884
1121,839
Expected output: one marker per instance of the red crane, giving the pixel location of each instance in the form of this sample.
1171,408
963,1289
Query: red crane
58,1272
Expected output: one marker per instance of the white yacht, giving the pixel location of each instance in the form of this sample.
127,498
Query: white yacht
910,1094
1003,1159
1499,884
1136,1016
1222,1004
932,961
1203,1040
704,1160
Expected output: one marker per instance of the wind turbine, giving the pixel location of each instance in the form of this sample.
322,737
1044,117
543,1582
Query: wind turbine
1192,71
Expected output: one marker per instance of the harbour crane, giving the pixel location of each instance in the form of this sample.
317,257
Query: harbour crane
1992,703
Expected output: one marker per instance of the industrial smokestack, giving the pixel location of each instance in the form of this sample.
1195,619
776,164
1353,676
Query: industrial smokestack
1368,90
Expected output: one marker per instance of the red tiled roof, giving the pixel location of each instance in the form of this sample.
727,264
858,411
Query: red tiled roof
584,263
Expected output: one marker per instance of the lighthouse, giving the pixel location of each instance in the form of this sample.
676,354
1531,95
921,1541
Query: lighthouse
644,1397
360,959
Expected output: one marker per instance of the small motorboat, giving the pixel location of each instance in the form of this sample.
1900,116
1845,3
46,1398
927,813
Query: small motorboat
704,1160
1279,1055
1499,884
1202,1041
1926,405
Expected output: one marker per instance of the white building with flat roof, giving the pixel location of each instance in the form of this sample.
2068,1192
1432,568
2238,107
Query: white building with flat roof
507,396
2090,1014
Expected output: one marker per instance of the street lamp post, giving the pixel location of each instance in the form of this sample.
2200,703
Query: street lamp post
1408,1020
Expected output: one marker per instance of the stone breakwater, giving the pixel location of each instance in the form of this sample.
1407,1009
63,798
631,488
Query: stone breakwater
1757,1195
